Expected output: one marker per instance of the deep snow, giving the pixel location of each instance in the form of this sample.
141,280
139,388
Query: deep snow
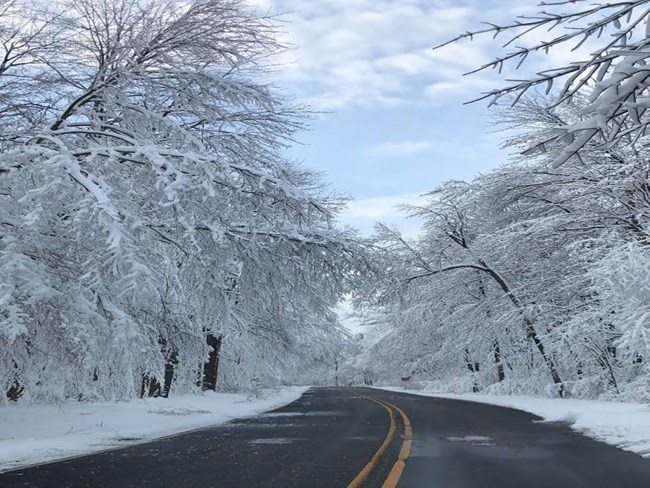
623,424
31,434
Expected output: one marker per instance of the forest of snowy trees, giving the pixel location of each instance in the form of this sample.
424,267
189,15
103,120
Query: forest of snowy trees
153,236
535,277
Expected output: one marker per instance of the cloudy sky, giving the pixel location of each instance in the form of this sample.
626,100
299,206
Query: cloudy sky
395,125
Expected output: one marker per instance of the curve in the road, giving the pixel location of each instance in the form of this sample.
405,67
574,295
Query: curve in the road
397,469
324,439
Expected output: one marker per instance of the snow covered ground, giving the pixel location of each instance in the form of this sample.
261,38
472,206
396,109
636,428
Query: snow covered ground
623,424
32,434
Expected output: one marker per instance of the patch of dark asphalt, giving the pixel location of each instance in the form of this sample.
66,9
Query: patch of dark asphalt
322,440
460,444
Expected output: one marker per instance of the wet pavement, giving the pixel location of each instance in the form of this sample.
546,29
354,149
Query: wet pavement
327,437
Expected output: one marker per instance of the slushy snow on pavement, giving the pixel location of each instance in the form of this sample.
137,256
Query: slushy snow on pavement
625,425
31,434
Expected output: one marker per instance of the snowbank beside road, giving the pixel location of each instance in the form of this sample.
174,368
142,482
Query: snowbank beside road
32,434
623,424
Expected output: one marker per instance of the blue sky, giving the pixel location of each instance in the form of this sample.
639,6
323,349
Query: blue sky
395,125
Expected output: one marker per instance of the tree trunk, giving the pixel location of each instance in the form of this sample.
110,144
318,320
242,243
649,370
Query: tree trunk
474,367
172,361
501,374
150,386
555,375
211,367
15,391
530,329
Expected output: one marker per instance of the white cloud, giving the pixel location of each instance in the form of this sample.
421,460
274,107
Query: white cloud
465,88
364,52
368,53
364,213
402,149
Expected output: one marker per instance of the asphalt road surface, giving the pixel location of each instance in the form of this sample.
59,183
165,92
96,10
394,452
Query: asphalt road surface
336,437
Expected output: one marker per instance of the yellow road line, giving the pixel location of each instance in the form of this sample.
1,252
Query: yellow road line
396,472
363,474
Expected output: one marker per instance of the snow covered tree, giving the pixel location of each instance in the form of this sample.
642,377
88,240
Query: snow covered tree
149,221
529,279
614,74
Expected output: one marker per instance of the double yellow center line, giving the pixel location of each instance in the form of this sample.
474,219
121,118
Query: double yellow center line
396,472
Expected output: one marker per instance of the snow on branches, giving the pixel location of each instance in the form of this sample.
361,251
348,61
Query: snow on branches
149,223
527,279
614,73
